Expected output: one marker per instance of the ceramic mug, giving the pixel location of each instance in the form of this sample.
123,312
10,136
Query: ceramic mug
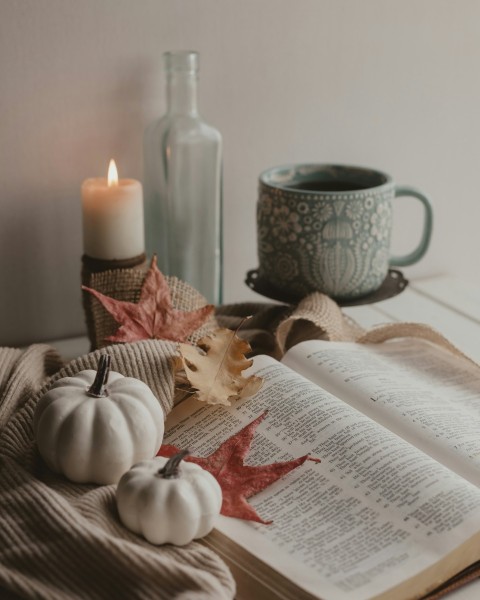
327,228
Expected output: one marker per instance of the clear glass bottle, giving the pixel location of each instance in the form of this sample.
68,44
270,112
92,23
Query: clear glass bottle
183,184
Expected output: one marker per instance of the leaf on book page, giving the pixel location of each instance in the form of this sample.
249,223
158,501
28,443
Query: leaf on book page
237,480
154,316
214,368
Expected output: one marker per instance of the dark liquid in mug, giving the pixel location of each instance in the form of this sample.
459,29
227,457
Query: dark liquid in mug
328,186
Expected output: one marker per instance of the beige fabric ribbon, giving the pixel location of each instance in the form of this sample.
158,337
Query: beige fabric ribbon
389,331
318,317
272,328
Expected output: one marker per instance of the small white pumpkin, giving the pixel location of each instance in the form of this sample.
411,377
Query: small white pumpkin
94,426
168,502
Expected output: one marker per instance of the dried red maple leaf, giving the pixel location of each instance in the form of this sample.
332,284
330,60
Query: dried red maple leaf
153,317
239,481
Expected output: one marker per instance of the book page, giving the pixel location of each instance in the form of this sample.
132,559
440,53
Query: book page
421,392
375,512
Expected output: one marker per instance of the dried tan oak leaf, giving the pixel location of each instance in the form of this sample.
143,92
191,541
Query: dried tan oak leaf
216,373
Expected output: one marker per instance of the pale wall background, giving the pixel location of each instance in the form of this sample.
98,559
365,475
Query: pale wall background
389,84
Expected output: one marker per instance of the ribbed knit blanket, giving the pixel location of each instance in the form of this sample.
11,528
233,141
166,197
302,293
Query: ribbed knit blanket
63,540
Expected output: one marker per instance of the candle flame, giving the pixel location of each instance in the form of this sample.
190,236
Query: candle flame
112,174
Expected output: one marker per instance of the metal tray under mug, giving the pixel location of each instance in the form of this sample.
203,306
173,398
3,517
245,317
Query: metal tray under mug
393,284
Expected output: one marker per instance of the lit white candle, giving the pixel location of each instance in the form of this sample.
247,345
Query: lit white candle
112,217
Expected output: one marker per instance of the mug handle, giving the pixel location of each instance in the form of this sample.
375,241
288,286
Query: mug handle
416,255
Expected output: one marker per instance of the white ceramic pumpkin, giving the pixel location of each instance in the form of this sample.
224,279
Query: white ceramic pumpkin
169,502
94,426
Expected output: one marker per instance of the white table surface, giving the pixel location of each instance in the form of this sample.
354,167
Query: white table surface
450,305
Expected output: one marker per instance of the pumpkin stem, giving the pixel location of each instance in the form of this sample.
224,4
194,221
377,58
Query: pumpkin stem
170,469
97,389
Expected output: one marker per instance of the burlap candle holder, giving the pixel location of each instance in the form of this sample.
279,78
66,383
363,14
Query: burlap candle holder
123,280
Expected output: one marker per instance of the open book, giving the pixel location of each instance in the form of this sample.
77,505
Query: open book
393,509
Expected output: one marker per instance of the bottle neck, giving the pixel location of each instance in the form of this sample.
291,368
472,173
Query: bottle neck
182,93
